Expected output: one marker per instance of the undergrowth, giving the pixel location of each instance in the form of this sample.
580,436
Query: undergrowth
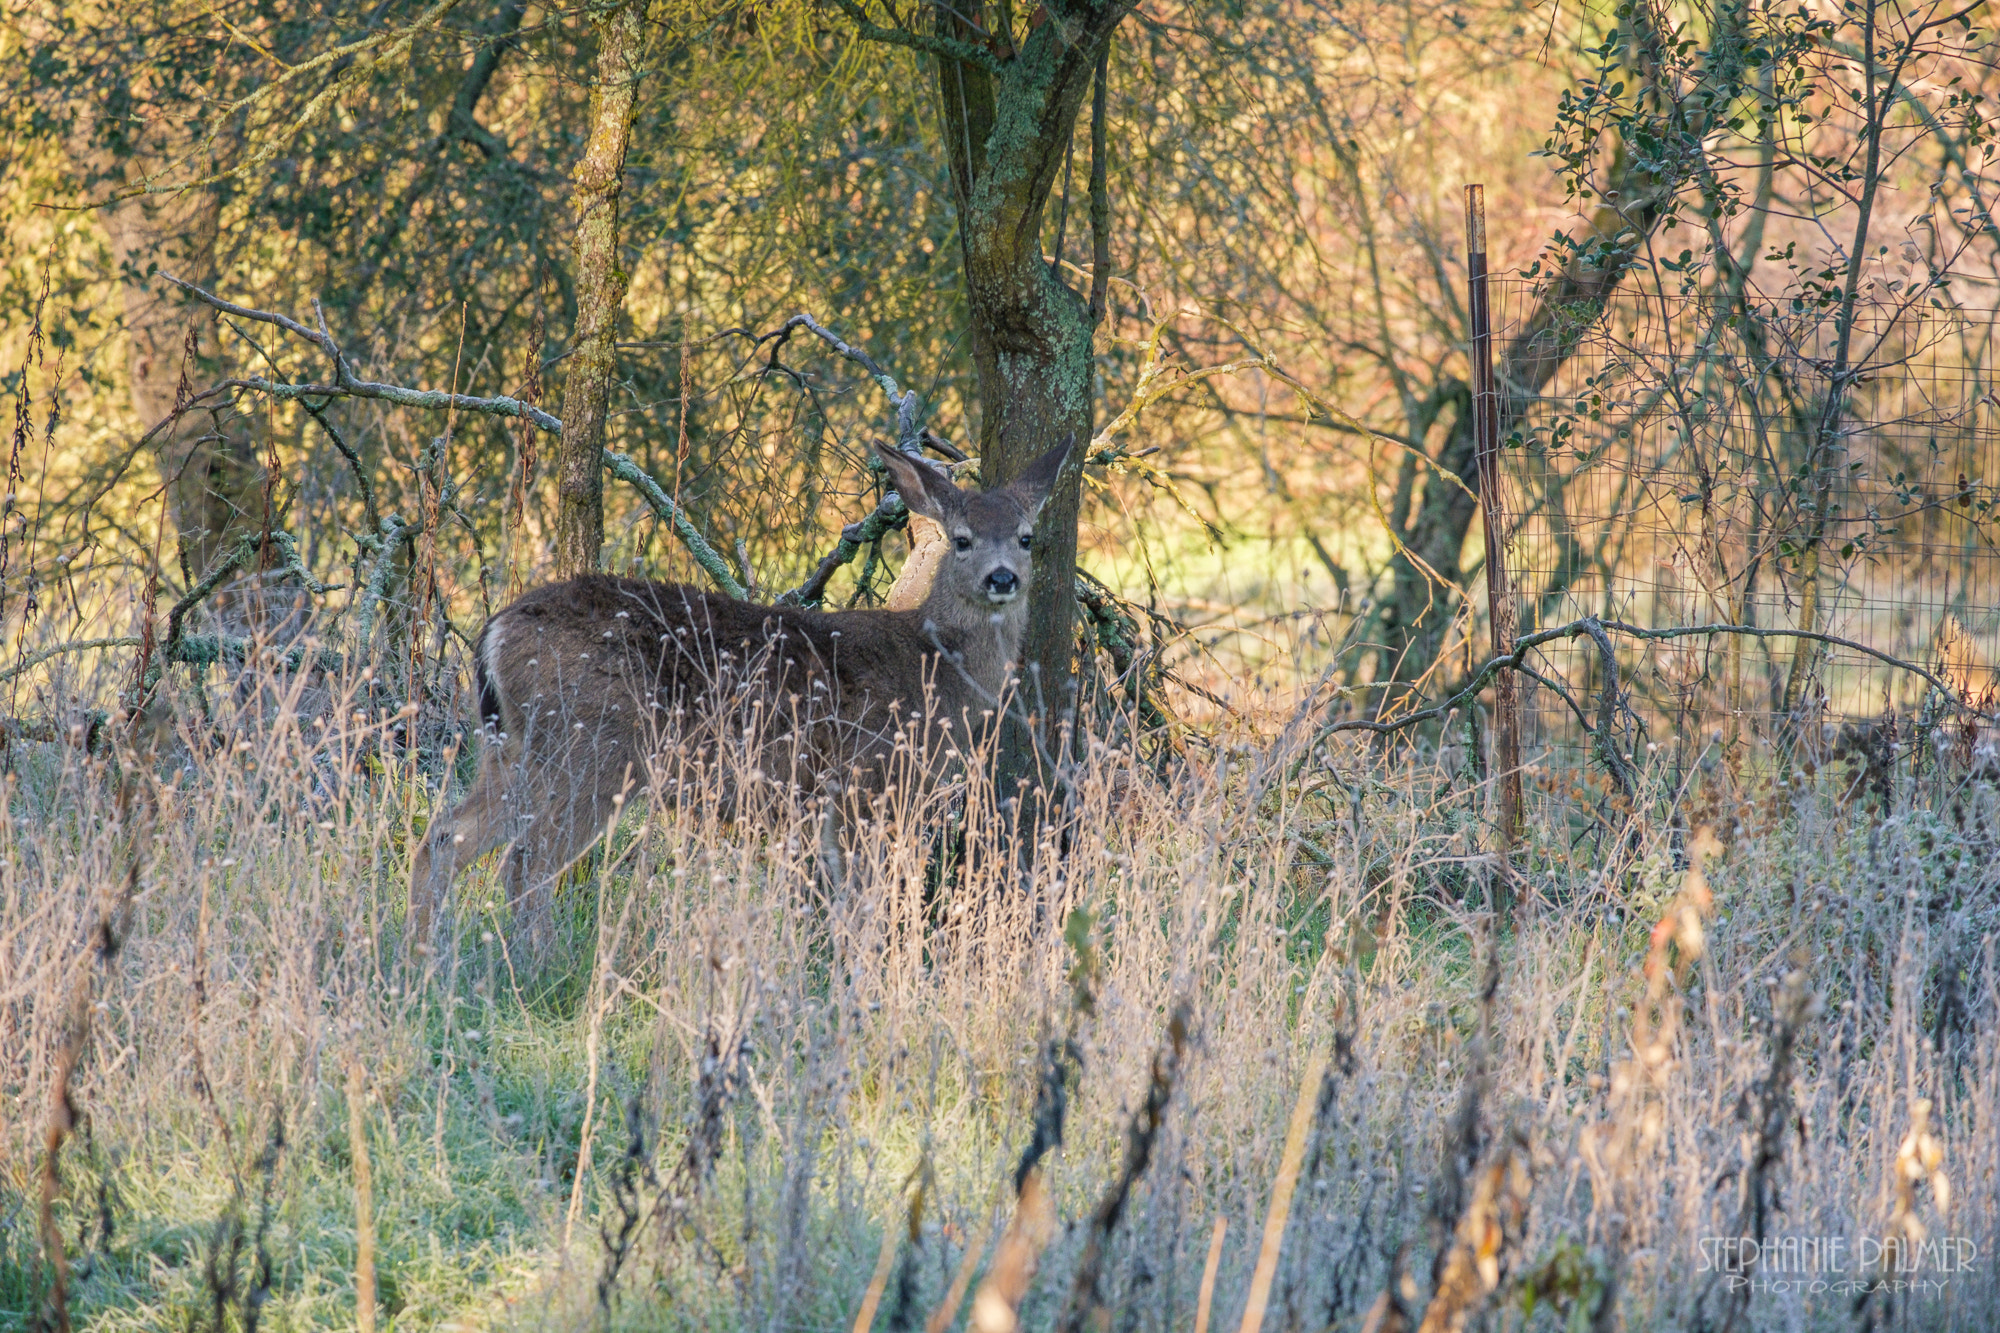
1247,1027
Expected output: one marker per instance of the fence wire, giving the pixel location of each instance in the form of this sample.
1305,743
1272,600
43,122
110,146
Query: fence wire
1694,460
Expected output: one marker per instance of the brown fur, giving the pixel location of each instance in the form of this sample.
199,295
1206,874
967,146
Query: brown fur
585,685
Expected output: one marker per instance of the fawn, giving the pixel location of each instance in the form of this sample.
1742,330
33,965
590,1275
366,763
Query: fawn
581,683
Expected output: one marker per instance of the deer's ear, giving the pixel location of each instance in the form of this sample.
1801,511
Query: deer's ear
1039,481
925,489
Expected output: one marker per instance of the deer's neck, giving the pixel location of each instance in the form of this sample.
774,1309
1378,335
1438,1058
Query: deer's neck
986,639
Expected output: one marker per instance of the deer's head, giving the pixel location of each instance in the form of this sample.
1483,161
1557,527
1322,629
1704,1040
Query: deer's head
990,535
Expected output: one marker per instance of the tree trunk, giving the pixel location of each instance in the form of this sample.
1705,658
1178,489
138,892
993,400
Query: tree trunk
600,291
1008,127
208,460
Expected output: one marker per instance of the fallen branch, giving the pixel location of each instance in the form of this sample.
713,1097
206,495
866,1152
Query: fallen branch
86,733
231,561
209,649
246,547
1607,710
376,586
890,515
191,650
347,385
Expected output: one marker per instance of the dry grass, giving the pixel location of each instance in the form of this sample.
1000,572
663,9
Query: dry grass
743,1096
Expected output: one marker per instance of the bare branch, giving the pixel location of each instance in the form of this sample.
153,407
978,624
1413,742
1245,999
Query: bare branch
382,545
1596,629
193,650
345,384
285,322
34,660
908,434
1607,709
353,458
710,559
888,516
230,562
945,48
434,400
933,440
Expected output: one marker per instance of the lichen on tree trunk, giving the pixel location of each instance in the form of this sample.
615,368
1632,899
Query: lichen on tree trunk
600,291
1008,126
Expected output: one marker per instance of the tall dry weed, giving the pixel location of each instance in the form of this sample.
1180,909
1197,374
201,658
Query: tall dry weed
736,1073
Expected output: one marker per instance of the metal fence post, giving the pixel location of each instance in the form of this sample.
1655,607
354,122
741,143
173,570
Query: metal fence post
1493,512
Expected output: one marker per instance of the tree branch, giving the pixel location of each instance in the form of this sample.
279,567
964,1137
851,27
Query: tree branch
224,567
889,516
1597,629
345,384
946,48
710,559
34,660
908,404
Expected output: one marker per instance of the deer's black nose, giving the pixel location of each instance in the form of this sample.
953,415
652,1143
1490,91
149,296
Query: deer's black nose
1002,583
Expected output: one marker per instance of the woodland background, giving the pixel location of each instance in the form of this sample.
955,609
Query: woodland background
1744,261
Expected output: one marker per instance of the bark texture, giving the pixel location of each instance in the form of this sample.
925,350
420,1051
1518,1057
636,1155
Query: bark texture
600,291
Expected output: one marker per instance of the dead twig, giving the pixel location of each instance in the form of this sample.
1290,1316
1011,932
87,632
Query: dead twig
908,434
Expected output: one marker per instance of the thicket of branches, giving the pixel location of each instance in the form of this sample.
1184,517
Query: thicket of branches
1254,206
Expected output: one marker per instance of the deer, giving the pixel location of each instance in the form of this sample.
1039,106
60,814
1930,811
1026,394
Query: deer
581,684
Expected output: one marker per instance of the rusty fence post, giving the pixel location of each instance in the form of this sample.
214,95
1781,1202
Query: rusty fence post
1493,512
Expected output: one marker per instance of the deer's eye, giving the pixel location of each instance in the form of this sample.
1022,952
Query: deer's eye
962,543
1027,540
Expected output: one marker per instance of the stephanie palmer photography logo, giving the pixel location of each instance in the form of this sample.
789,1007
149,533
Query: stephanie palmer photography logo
1839,1265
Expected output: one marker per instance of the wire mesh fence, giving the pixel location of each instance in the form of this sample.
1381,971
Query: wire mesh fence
1701,459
